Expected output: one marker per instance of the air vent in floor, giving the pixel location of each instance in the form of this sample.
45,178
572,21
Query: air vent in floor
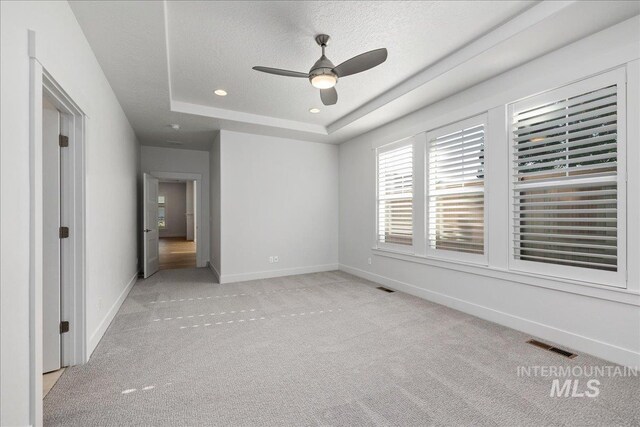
553,349
382,288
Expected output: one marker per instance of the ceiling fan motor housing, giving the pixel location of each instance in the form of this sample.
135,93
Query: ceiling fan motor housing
322,67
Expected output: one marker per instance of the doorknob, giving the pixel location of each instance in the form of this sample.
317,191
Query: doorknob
146,230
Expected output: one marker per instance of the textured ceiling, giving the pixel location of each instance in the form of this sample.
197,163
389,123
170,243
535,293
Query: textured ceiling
164,59
214,45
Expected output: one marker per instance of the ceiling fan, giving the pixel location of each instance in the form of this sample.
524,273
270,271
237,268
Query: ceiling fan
324,75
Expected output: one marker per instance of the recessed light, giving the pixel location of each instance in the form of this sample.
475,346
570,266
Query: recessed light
174,126
220,92
314,110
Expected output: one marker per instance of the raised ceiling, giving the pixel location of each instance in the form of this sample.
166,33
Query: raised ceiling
165,59
215,44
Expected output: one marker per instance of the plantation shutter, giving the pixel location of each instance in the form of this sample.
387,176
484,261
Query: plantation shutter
456,188
395,195
565,179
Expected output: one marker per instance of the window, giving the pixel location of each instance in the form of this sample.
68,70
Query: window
567,185
162,209
395,194
455,199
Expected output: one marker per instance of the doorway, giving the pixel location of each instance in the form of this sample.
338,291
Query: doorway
172,212
57,303
177,223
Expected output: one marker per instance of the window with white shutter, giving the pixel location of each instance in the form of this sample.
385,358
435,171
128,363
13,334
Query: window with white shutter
395,194
567,186
455,198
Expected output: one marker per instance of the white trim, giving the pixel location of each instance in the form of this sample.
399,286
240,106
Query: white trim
242,117
200,217
633,176
73,295
35,240
405,142
214,271
388,146
565,338
241,277
108,318
73,215
533,279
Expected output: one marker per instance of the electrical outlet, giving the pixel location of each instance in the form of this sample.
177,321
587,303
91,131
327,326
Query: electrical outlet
369,260
270,260
275,258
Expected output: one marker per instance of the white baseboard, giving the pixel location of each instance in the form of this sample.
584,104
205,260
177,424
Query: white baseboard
214,271
232,278
560,337
108,318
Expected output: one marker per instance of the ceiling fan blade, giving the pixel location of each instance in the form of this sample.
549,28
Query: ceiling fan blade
361,63
280,72
329,96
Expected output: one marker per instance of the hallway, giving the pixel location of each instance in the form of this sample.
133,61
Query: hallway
313,349
177,252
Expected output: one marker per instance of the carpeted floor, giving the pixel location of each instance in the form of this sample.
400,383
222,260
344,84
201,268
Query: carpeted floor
315,349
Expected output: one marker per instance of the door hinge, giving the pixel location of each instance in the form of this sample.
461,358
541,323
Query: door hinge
64,232
63,141
64,326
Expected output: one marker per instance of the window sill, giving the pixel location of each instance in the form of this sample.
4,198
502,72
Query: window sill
593,290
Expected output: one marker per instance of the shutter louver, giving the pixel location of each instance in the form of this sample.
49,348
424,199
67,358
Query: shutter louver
456,191
565,201
395,196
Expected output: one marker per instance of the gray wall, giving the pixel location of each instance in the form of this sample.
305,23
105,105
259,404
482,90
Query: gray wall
214,168
279,197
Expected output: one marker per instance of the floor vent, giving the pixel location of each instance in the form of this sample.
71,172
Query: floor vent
553,349
382,288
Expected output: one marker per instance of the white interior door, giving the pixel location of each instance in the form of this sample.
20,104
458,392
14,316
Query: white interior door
150,238
51,306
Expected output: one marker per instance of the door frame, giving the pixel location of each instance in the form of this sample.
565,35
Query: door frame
73,263
197,177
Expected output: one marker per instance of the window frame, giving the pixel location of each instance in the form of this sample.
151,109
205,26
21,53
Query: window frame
163,205
415,237
470,258
617,279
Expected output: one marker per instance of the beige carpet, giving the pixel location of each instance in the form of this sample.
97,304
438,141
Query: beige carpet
315,349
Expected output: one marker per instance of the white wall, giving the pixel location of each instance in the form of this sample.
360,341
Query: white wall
112,156
279,197
214,169
175,208
156,159
602,322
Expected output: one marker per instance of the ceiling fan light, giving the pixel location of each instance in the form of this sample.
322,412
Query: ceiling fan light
324,81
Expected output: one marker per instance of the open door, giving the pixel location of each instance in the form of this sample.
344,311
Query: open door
150,238
51,251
